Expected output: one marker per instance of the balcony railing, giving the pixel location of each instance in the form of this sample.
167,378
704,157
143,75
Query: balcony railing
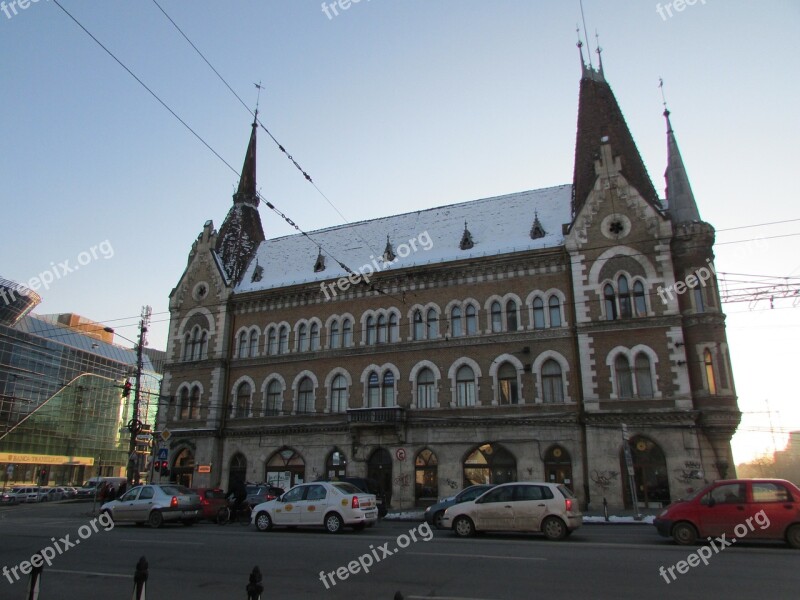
390,414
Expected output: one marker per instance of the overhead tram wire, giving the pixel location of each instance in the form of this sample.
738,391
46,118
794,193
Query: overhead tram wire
280,146
207,145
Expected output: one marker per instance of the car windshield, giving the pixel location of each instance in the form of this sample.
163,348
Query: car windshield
346,488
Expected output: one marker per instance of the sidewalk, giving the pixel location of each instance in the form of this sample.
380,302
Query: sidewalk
620,517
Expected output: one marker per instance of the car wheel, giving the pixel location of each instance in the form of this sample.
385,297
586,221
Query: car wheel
554,528
155,520
684,534
263,522
793,536
437,520
333,523
108,515
464,527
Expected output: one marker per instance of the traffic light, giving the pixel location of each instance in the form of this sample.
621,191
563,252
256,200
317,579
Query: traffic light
126,389
163,467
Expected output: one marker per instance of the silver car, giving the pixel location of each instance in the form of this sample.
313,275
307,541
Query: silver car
155,505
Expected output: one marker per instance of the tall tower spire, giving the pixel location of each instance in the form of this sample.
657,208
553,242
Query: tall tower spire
241,233
681,204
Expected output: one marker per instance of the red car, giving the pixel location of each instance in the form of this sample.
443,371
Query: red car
766,509
211,500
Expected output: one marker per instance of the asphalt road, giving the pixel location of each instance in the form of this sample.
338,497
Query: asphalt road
213,562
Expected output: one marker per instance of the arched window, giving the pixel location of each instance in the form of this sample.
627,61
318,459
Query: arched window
699,301
465,386
511,315
610,302
624,297
623,371
314,338
651,476
382,331
552,382
432,324
370,330
387,393
243,344
394,328
244,394
538,313
274,398
283,347
426,389
194,403
253,344
339,394
489,463
302,338
558,466
347,333
426,477
197,346
644,380
639,302
708,363
203,351
272,341
472,320
507,381
496,316
455,322
285,469
238,469
335,339
555,311
419,326
187,346
183,409
305,396
373,390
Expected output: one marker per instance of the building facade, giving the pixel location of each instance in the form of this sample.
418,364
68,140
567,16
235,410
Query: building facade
572,334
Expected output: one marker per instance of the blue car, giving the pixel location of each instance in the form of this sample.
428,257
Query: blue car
433,514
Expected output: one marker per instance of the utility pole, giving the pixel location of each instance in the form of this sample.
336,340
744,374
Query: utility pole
135,425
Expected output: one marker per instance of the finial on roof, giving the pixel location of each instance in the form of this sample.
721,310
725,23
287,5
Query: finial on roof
599,54
258,99
388,252
466,239
664,102
537,231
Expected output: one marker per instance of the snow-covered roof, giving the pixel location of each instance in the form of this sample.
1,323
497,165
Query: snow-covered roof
498,225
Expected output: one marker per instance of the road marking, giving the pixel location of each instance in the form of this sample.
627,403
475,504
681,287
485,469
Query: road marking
443,598
96,573
475,556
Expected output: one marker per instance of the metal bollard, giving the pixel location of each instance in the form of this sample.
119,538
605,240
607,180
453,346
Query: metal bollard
254,587
140,579
34,582
605,508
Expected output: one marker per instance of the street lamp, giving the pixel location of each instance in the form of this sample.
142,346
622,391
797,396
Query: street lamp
135,425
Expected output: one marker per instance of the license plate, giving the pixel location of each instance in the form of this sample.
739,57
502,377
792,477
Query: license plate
371,513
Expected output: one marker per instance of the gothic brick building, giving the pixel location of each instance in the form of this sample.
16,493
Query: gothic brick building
508,338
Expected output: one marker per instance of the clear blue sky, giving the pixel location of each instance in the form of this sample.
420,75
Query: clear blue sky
391,106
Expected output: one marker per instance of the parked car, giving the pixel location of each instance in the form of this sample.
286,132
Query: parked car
263,492
370,486
211,500
95,484
70,492
22,493
155,504
766,509
333,505
50,494
9,497
435,512
548,508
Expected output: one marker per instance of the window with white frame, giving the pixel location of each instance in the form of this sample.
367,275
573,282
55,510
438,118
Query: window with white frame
274,398
272,341
394,328
496,316
432,324
373,390
644,379
347,332
313,340
335,339
552,382
508,392
708,365
243,344
511,315
455,322
465,386
244,395
419,325
302,337
426,389
538,313
339,394
554,305
622,370
253,344
305,396
471,319
283,341
371,332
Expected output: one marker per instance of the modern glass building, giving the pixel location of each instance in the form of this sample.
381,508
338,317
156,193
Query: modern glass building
63,409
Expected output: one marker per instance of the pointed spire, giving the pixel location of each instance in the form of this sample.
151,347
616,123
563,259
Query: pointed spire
599,51
241,233
247,182
599,119
466,239
681,205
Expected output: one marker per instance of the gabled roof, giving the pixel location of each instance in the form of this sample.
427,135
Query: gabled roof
499,225
599,116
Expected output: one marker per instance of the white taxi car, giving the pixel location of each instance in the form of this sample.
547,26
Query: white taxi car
334,505
548,508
